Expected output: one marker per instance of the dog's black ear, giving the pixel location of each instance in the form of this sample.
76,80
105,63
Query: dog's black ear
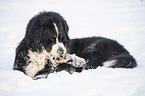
65,26
37,36
34,31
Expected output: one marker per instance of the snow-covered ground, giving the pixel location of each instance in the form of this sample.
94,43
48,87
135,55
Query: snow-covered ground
122,20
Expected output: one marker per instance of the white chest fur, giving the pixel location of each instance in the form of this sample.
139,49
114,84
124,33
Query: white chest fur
36,62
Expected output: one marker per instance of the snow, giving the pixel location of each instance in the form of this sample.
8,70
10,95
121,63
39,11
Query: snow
121,20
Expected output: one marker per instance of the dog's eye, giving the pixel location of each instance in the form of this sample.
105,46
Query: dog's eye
53,38
60,37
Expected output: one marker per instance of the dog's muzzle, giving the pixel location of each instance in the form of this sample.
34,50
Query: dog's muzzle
58,49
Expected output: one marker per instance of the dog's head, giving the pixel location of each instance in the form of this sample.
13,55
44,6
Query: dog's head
48,30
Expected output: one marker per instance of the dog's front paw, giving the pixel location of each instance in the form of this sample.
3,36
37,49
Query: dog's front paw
75,60
71,59
57,60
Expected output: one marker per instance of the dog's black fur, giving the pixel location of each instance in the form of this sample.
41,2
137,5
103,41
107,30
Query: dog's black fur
40,32
95,50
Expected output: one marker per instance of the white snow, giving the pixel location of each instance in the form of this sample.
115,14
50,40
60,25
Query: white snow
121,20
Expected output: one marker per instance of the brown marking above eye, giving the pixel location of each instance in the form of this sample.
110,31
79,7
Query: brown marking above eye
60,35
54,36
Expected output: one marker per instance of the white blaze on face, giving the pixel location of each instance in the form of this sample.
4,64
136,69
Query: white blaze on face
58,45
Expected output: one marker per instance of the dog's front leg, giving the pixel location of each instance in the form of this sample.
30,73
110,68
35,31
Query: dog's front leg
75,60
71,59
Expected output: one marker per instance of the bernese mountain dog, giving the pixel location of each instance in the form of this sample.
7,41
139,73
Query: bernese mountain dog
47,48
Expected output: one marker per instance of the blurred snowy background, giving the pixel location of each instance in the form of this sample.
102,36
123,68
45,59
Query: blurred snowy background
121,20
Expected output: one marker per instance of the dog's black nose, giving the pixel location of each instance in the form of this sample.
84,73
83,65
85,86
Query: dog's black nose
60,51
